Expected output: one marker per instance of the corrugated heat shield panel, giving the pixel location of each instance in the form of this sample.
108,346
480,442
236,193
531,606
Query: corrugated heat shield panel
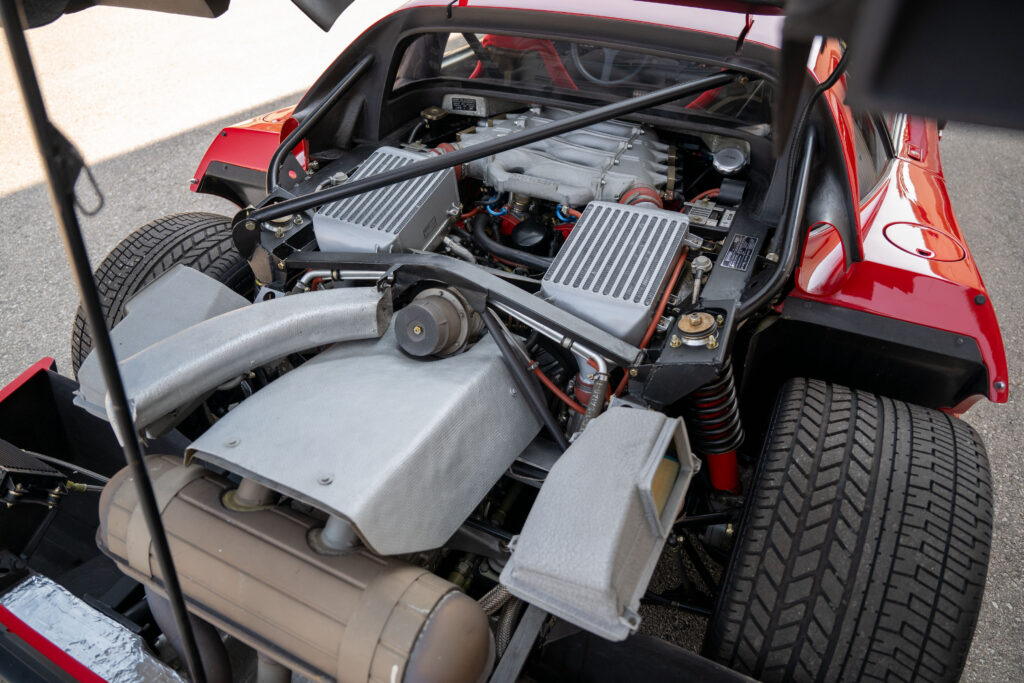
400,217
614,266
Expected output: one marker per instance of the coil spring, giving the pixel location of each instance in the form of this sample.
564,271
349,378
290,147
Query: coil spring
713,416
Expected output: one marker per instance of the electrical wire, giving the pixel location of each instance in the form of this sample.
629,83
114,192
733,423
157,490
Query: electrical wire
706,194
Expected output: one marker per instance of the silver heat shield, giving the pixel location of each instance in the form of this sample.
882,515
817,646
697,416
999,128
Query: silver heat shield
99,643
409,215
615,264
402,448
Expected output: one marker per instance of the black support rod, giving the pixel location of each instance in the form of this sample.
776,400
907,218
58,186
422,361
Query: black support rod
61,165
486,149
524,380
307,123
792,228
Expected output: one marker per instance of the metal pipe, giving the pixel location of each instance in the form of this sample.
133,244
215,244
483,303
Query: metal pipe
269,671
304,126
485,149
792,232
338,534
576,347
458,250
525,381
307,278
62,164
216,662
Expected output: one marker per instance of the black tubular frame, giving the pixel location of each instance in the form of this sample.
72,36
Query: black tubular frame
527,383
484,149
62,165
307,123
791,234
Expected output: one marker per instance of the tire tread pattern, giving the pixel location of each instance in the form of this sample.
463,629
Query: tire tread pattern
864,546
199,240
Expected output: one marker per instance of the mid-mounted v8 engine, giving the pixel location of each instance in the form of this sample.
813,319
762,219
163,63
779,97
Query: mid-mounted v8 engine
609,161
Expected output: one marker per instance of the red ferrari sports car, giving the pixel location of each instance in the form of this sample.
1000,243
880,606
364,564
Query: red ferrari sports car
524,331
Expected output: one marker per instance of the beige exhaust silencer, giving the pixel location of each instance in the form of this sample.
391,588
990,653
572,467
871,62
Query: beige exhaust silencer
353,617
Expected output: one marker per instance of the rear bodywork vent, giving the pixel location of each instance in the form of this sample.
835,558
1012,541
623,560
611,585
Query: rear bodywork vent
615,264
400,217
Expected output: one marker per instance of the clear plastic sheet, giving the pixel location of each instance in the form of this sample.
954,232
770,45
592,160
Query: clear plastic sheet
98,642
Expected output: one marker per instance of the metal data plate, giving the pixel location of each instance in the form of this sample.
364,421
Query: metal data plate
401,447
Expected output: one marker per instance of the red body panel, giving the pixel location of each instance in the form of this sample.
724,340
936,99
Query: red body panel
924,287
890,280
39,366
248,144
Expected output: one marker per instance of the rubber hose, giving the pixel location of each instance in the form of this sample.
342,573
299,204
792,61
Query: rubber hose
486,243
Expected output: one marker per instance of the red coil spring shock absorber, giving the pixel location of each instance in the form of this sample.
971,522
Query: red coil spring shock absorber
713,421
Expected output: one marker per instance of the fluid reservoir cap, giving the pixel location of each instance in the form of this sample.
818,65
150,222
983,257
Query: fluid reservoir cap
530,235
729,160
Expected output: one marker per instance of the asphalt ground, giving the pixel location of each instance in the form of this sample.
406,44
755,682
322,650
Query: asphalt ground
132,89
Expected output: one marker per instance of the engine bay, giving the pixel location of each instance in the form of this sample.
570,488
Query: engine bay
453,353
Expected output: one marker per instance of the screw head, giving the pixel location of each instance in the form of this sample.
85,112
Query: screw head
250,225
325,480
633,372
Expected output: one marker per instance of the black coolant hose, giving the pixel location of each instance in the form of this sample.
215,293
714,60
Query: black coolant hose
487,243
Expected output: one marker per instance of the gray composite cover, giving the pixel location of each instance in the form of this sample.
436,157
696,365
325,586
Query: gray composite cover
594,535
403,448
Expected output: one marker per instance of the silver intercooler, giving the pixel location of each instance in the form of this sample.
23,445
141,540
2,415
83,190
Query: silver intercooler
400,217
615,264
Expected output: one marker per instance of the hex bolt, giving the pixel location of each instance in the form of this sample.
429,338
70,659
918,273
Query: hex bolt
633,372
297,220
675,342
250,225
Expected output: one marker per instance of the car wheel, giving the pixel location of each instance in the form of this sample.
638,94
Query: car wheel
864,545
198,240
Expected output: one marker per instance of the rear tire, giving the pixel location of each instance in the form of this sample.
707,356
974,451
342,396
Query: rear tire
198,240
864,546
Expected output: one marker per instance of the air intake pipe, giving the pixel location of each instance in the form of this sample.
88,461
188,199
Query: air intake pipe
353,617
